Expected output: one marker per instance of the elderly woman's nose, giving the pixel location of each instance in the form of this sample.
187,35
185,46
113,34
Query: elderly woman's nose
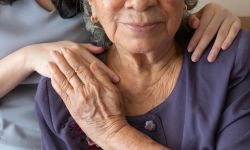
140,5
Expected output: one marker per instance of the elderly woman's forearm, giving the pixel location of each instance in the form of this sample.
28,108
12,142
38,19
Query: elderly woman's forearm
130,138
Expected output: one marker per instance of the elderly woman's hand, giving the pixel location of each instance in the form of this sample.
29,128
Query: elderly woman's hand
88,93
209,21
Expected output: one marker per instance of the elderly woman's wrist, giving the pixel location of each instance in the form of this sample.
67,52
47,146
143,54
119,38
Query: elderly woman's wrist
130,138
113,131
118,139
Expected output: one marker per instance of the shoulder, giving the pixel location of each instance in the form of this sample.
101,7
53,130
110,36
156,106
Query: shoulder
242,53
239,50
234,58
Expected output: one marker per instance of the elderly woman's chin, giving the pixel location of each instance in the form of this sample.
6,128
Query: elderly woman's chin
143,46
143,41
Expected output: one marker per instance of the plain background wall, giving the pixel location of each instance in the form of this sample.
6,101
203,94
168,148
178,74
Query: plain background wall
239,7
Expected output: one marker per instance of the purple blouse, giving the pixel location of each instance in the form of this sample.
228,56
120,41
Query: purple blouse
209,107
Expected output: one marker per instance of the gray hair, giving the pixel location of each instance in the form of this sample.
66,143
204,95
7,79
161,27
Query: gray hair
99,36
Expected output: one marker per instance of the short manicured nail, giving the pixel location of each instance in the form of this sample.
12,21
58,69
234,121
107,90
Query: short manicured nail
224,46
194,58
210,59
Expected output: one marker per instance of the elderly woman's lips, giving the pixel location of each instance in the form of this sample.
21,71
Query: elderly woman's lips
142,27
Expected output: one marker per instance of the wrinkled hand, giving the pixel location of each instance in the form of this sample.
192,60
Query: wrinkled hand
209,21
38,56
89,95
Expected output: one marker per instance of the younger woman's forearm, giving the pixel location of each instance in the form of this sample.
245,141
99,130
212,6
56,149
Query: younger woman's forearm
13,70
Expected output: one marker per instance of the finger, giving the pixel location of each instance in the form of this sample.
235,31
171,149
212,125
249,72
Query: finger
62,94
205,20
234,30
93,49
80,67
193,21
207,36
90,58
100,75
63,88
66,69
221,36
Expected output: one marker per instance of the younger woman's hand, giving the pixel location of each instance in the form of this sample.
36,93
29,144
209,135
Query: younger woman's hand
38,55
209,21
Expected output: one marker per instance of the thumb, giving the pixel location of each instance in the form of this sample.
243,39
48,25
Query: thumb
93,49
194,20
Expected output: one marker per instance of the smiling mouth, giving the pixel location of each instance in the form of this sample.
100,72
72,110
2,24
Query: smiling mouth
147,27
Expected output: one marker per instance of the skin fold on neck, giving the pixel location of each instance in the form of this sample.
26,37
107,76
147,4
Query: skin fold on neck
146,80
46,4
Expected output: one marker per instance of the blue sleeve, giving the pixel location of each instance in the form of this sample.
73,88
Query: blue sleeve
234,130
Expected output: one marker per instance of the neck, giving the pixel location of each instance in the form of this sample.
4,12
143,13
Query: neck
145,77
139,64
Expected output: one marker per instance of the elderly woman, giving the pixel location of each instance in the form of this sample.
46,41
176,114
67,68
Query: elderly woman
161,99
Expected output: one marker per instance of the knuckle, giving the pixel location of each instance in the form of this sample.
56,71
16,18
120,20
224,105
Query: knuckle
209,32
237,25
69,74
229,39
80,70
64,85
216,48
235,29
68,91
238,21
224,11
195,40
75,46
222,33
199,50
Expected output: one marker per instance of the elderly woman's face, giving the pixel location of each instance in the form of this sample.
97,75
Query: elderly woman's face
139,25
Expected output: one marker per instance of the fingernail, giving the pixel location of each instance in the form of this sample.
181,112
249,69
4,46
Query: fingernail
224,46
210,59
194,58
